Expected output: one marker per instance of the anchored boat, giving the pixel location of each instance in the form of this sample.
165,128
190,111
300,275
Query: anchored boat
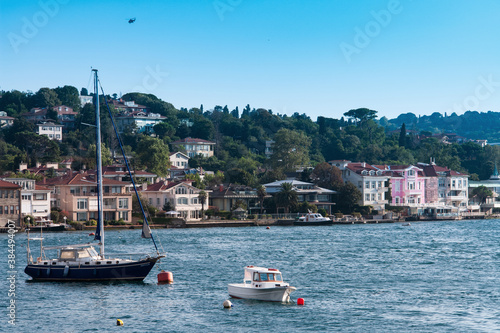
81,262
313,219
262,284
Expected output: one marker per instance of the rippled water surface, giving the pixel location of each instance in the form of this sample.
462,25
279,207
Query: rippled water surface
429,277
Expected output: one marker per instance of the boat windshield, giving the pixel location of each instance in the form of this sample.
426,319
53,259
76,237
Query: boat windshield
267,277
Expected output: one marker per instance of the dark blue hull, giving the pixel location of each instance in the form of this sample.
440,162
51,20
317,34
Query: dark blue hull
135,271
302,223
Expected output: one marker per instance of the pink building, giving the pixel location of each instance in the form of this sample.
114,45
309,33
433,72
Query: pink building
407,184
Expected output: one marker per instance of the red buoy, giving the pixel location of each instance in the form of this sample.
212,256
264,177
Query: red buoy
165,277
300,301
92,234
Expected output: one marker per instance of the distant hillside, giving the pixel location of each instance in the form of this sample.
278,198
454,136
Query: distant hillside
472,124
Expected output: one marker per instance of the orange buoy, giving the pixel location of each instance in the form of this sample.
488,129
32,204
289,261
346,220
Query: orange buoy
300,301
165,277
92,234
268,228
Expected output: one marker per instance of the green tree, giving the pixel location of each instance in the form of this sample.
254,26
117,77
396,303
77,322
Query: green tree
327,176
152,153
291,149
287,197
202,196
261,195
402,136
481,192
348,197
359,115
68,95
164,129
106,158
46,97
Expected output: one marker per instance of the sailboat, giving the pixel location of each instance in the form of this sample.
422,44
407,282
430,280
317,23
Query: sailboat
82,262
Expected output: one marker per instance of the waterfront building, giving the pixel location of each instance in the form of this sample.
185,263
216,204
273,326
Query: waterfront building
35,199
181,196
407,185
493,184
10,203
306,192
370,181
225,196
77,195
452,186
194,147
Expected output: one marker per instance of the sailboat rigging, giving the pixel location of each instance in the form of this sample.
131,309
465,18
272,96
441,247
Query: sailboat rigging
81,262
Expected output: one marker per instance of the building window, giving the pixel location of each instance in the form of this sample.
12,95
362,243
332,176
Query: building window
123,215
373,196
182,201
411,172
81,216
379,184
81,204
379,196
367,184
39,196
396,200
123,203
12,210
367,197
181,190
194,201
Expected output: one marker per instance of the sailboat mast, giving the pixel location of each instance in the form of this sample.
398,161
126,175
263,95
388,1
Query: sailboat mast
99,163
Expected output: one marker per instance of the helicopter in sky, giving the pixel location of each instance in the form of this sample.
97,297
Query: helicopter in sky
132,20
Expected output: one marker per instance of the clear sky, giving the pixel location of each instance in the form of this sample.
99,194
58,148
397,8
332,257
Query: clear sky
321,58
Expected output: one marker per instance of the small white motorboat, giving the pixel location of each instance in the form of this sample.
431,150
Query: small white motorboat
313,219
262,284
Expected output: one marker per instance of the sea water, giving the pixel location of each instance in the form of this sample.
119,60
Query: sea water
427,277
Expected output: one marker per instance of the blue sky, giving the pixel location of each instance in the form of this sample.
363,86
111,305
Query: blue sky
321,58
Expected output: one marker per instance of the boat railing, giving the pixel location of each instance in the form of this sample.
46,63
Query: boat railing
131,256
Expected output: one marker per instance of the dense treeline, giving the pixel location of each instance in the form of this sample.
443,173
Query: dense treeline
241,136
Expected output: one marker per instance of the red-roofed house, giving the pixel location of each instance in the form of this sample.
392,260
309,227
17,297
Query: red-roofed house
448,187
77,194
65,115
10,203
370,181
182,197
195,147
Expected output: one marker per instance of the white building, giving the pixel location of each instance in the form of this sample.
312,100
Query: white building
182,197
370,181
35,199
51,130
195,147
